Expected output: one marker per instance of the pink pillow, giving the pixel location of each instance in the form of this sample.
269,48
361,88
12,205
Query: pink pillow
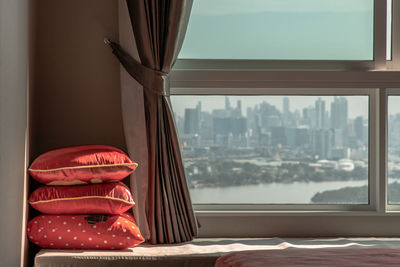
109,198
84,231
81,165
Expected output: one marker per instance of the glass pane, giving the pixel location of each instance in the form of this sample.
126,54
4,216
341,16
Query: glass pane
274,149
280,30
389,30
393,166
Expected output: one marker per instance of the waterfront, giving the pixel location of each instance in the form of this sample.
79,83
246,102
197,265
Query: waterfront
272,193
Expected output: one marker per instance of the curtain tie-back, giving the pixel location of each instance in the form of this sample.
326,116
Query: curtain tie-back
153,80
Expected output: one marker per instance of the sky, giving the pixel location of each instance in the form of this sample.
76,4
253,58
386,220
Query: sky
393,105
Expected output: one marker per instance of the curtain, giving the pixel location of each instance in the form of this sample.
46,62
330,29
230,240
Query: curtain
164,208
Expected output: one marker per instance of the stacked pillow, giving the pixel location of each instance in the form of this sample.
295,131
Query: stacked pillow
83,202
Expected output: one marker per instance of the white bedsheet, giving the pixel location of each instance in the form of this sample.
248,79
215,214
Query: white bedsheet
200,252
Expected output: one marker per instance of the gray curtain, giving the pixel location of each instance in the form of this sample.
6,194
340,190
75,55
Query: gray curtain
159,27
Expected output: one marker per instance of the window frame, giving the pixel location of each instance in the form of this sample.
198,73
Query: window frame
372,177
394,208
394,63
302,77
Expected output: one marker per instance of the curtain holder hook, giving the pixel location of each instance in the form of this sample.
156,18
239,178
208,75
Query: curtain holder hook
107,40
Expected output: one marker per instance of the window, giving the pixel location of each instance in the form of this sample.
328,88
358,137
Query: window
234,72
275,149
393,149
280,30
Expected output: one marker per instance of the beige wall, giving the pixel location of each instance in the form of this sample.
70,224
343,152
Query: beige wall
13,128
75,92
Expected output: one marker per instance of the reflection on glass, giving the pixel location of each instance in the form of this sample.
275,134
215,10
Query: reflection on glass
393,161
280,30
274,149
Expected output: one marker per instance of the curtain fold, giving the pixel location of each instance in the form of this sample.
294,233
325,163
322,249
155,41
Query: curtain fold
159,27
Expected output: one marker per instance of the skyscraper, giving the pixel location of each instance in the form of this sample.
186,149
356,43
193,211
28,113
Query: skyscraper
286,108
191,123
198,108
339,118
286,111
239,108
359,128
320,115
227,103
308,117
339,113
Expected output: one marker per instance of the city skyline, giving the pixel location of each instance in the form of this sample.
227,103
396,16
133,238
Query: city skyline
358,105
242,143
321,130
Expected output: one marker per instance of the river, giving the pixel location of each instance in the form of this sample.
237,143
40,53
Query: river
274,193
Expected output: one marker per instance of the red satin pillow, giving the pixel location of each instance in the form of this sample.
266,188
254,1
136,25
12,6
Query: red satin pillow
84,231
81,165
109,198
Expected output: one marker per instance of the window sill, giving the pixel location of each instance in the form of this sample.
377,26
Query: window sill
187,81
293,213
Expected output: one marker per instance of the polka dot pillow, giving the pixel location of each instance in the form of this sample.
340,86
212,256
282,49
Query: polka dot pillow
81,165
109,198
84,231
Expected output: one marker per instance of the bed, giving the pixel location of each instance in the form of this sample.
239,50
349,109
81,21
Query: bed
210,252
319,257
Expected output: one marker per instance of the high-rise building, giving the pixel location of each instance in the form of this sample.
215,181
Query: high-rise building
226,126
205,130
320,115
286,108
191,121
302,137
286,112
230,131
339,117
308,117
278,136
359,128
227,103
321,143
269,116
239,109
198,107
339,113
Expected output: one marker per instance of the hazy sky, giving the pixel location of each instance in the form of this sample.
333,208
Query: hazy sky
394,105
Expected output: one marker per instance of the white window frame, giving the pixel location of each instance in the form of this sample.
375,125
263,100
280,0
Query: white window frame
235,77
394,208
372,93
